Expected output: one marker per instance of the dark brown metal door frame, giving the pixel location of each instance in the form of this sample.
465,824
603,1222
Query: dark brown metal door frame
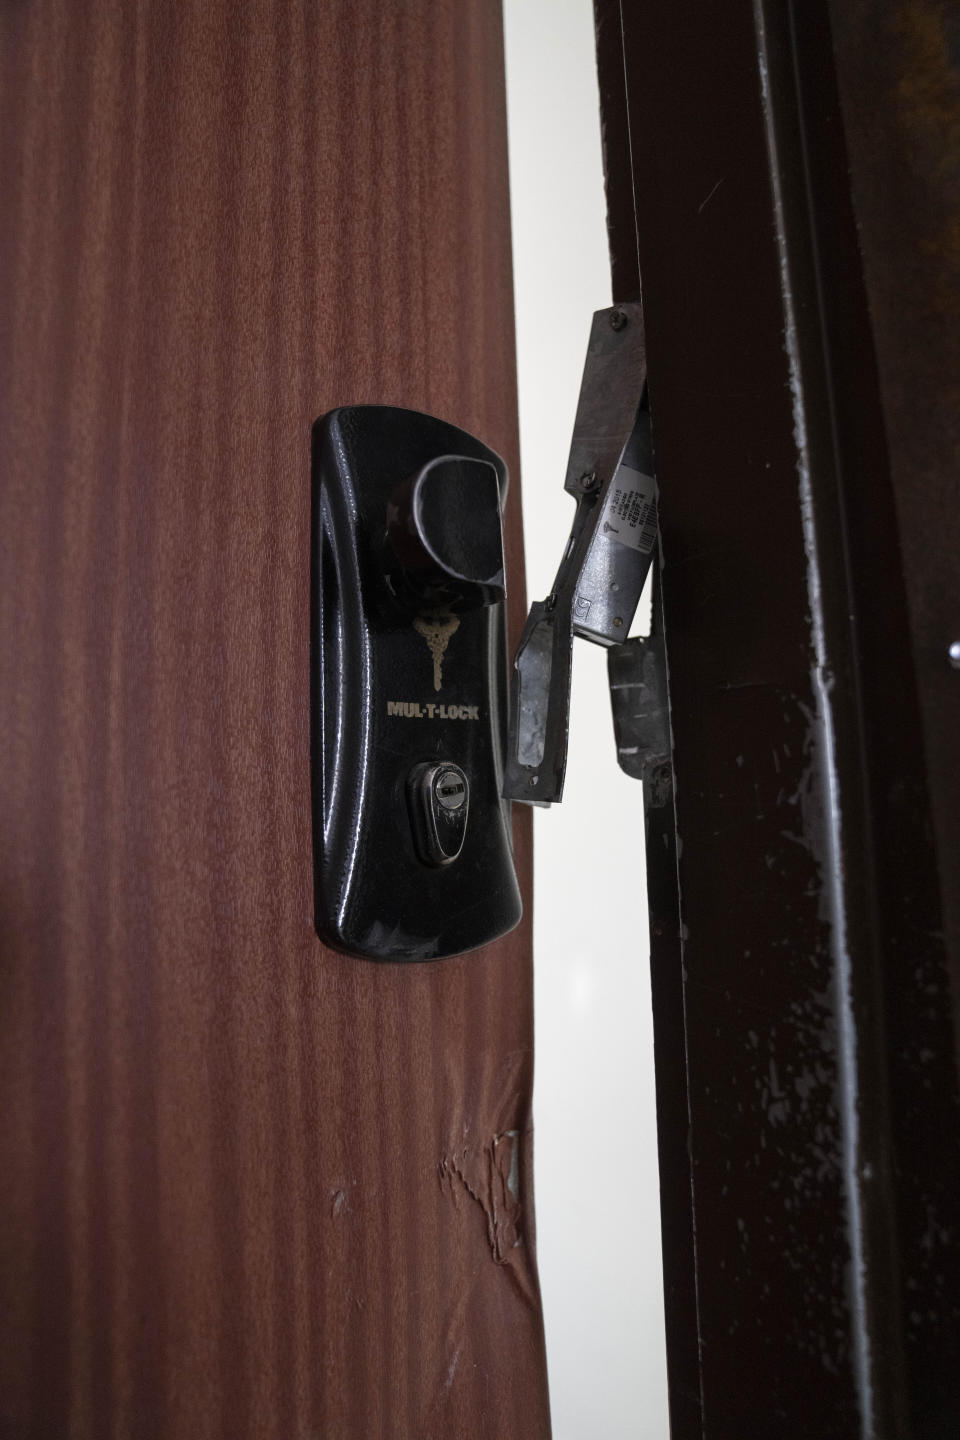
807,1085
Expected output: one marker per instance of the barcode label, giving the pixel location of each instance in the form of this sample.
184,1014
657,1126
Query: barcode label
630,512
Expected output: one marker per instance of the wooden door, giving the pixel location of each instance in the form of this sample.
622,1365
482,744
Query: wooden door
249,1186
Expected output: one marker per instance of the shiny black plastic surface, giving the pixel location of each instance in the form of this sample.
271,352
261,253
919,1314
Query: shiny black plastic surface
408,669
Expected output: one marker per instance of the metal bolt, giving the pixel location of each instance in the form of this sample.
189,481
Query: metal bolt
954,653
588,482
534,780
617,320
618,620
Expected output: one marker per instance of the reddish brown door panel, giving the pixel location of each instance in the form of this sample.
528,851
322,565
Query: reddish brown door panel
249,1186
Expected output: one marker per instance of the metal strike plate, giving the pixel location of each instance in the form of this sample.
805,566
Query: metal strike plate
412,840
606,558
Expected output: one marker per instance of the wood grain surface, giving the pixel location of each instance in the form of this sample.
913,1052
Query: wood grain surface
249,1187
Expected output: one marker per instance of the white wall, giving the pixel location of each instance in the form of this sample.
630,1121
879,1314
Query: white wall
597,1206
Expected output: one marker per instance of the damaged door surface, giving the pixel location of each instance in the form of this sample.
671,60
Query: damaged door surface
250,1186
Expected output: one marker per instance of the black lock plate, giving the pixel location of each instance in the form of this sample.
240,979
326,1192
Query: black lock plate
408,675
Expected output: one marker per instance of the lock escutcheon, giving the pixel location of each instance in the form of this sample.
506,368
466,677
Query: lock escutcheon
412,838
439,796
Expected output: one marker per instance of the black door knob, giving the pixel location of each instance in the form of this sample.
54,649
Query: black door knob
445,537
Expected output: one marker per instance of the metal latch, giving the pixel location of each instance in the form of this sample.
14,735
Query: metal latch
606,559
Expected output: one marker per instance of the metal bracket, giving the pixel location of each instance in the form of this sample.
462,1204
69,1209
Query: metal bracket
641,710
606,558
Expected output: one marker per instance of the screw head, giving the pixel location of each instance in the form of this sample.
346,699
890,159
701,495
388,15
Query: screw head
617,320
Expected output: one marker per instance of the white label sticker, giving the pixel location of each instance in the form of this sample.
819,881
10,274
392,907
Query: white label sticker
630,511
